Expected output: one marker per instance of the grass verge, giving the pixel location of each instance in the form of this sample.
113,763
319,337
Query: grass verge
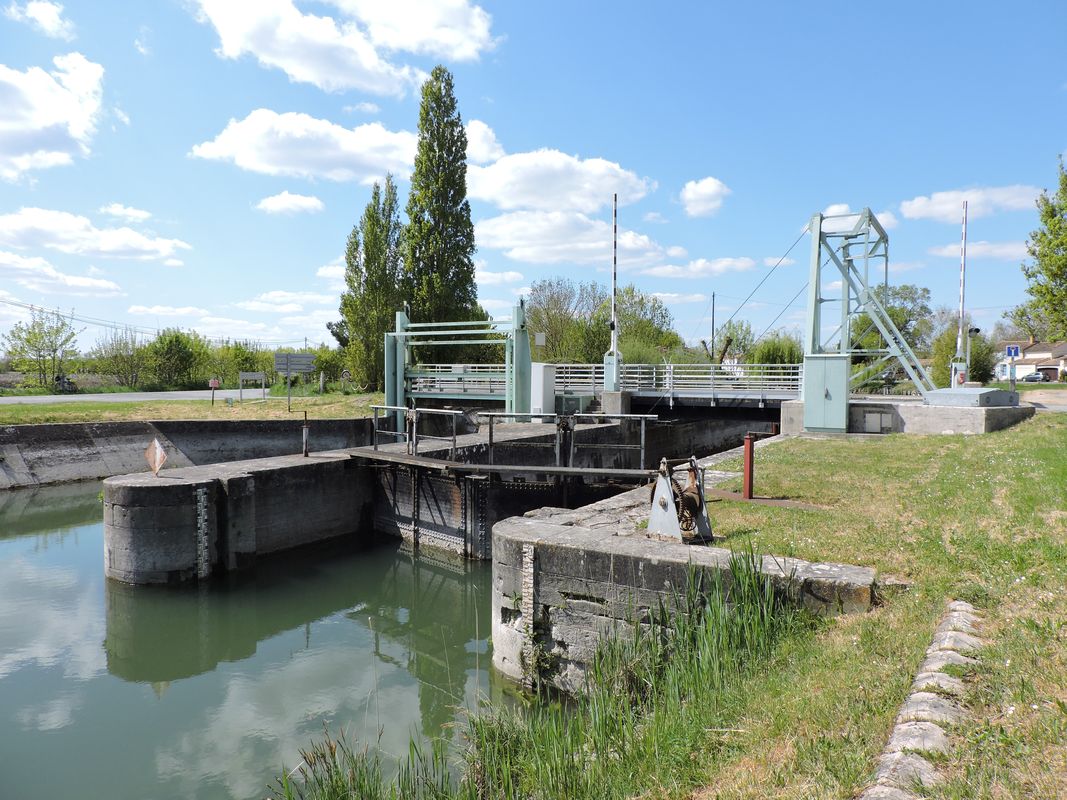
337,406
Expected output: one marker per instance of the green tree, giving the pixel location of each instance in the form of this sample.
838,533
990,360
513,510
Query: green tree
372,276
122,355
177,358
778,348
735,338
1047,246
909,308
42,347
563,310
438,274
983,356
1030,320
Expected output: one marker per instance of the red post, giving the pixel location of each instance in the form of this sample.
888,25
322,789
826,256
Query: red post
750,445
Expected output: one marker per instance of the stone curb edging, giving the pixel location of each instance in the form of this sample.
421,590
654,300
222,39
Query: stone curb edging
932,704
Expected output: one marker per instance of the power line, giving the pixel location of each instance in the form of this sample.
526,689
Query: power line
125,326
765,330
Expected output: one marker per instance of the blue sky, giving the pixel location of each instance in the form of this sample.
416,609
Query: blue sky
199,163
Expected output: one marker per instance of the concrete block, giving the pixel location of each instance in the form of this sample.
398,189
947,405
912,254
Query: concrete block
938,660
954,640
919,736
929,707
906,770
938,682
881,792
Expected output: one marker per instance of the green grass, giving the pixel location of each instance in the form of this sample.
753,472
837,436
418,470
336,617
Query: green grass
1022,386
978,518
334,406
653,695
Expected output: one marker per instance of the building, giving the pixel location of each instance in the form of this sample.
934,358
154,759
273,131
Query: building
1047,357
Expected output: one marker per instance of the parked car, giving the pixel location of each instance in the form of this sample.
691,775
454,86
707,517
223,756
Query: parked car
1036,377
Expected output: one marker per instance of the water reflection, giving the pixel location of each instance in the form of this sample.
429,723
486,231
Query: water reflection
206,692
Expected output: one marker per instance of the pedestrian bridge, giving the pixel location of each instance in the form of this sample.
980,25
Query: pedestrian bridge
647,384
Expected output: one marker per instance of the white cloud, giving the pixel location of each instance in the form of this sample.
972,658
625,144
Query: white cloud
997,251
167,311
141,44
76,235
654,217
701,267
301,146
47,118
847,218
227,328
125,212
173,262
553,237
676,251
487,278
673,298
482,146
37,274
905,266
888,219
495,304
45,16
282,302
786,262
362,108
308,48
548,180
981,202
704,197
312,324
333,274
285,203
454,30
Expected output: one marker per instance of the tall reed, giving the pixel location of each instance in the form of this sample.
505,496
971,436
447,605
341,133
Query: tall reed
655,692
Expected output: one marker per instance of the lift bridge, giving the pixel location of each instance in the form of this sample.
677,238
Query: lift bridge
527,387
849,264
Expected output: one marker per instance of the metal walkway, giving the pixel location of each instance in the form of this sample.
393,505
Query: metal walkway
669,384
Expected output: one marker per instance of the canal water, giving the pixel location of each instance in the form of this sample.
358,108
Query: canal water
108,690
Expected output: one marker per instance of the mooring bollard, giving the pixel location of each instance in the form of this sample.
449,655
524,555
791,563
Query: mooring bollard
750,448
305,434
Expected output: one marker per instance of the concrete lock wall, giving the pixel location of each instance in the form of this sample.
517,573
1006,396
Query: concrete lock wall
193,522
870,416
35,455
558,589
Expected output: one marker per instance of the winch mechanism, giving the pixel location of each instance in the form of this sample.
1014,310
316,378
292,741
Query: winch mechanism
679,512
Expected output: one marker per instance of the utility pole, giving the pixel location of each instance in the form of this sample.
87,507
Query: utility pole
713,326
612,359
958,370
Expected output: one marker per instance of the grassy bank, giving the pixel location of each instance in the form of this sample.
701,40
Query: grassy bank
982,519
654,694
335,406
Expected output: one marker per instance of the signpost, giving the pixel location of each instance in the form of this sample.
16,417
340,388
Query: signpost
1012,352
288,363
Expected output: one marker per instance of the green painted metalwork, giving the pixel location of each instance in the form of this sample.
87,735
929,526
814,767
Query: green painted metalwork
847,251
402,373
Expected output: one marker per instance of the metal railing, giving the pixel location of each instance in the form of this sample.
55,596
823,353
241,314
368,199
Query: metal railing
711,378
457,379
564,427
411,434
491,379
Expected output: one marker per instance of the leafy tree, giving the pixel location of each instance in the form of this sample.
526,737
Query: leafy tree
122,355
909,308
643,318
438,274
372,275
778,348
983,355
1047,246
736,337
176,358
339,331
562,310
1030,321
42,346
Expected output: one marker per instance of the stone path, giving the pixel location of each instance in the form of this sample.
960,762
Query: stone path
932,706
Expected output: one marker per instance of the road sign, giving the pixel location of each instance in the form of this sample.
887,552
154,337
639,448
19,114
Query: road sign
213,383
346,375
1011,351
292,363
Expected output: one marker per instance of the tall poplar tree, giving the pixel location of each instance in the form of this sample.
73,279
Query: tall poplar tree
1048,249
372,275
438,277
